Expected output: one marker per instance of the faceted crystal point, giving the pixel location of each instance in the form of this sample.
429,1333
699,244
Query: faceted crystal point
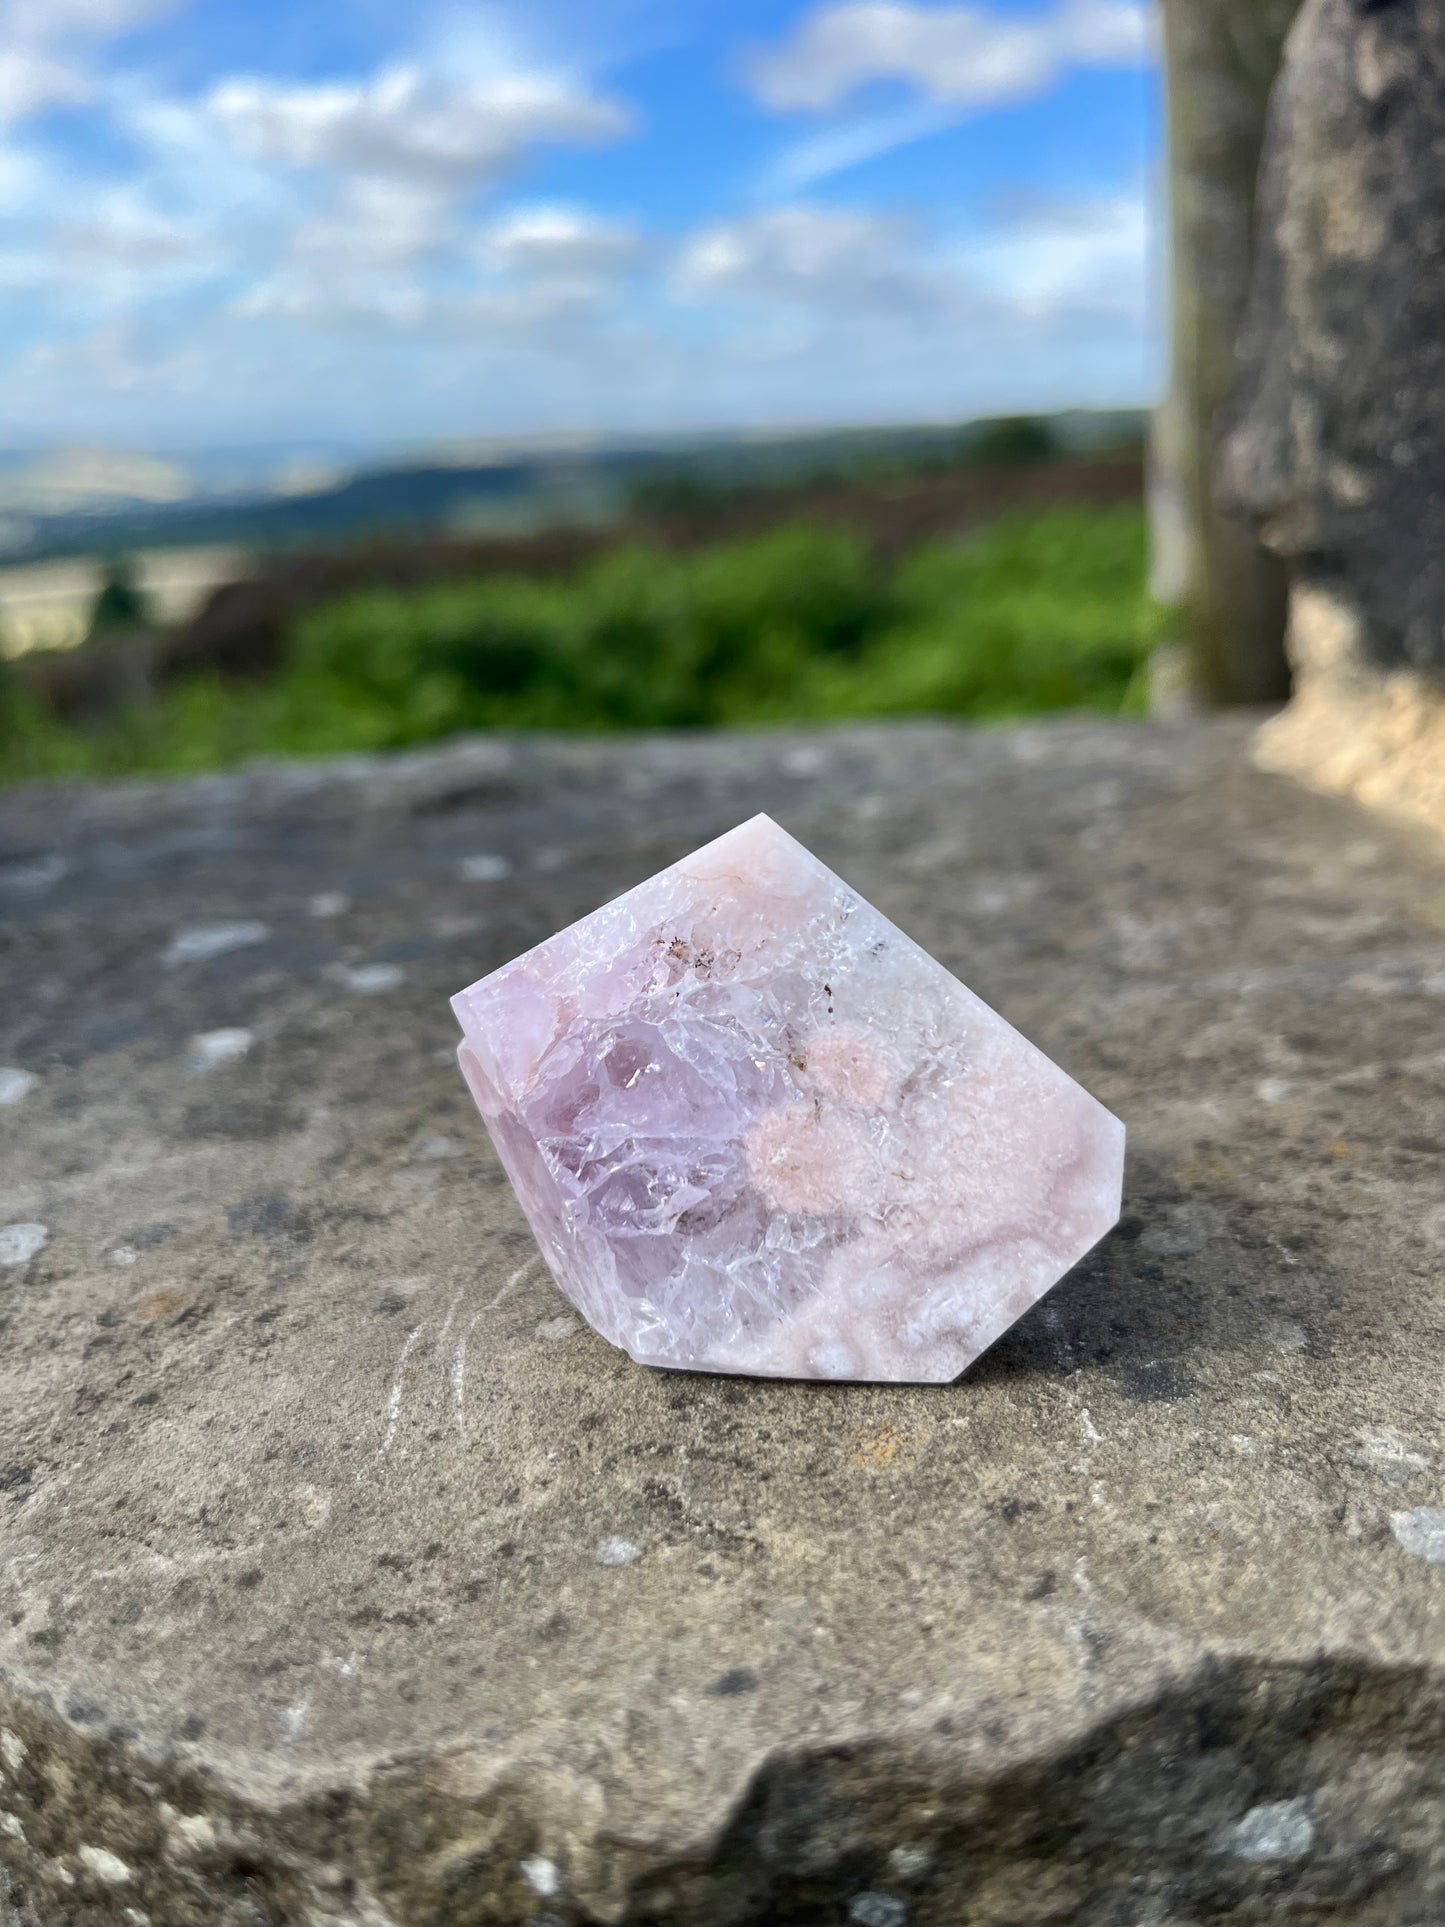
755,1128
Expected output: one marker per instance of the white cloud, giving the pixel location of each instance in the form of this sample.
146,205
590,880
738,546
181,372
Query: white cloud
550,241
965,56
405,123
114,254
848,143
37,19
374,224
398,255
120,227
384,220
46,49
824,287
21,177
343,265
352,204
1069,257
1099,33
838,258
444,325
427,314
32,78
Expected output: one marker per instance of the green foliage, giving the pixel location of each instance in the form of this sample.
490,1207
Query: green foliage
1037,613
1013,438
10,715
681,491
120,603
1042,614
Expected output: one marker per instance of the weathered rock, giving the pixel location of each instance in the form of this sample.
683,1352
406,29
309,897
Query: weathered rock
1340,449
1338,445
344,1577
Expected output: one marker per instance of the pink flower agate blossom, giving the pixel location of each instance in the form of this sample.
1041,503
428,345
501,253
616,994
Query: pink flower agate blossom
846,1066
805,1159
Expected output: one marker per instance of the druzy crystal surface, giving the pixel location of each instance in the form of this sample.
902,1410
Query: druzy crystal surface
755,1128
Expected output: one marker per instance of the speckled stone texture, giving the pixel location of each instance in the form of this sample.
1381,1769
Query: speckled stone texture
1334,440
755,1128
348,1580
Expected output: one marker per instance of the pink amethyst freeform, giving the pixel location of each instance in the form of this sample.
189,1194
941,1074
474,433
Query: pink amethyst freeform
755,1128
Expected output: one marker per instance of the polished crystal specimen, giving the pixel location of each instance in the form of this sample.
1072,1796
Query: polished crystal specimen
755,1128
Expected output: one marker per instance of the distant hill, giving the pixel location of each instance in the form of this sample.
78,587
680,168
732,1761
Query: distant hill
524,490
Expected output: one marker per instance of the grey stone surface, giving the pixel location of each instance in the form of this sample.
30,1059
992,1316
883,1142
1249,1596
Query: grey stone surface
1338,447
345,1579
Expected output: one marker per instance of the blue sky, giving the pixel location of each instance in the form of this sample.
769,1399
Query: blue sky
229,222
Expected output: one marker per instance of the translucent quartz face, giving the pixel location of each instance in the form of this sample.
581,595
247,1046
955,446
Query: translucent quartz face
755,1128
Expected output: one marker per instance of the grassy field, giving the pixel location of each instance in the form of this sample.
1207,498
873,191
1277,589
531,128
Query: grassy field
1040,612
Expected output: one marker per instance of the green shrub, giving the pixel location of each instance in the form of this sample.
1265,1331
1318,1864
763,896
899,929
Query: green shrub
643,638
1035,613
1013,438
120,602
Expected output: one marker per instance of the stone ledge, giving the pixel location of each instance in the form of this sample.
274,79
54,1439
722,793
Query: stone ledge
305,1469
